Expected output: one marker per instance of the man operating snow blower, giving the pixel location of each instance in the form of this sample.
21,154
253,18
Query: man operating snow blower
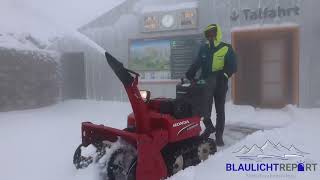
217,62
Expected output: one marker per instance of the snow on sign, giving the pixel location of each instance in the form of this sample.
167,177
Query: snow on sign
264,13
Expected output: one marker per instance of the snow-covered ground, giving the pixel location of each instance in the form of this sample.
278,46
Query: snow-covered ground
297,127
39,144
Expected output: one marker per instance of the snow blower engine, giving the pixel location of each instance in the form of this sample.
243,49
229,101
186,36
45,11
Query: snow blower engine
162,135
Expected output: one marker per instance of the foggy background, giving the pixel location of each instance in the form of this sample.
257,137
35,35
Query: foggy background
65,26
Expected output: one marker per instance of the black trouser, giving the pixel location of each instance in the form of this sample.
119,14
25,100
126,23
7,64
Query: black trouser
217,87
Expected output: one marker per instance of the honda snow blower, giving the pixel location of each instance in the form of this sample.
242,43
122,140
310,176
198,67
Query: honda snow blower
162,136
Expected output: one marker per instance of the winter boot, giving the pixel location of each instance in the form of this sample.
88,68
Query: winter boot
219,141
209,128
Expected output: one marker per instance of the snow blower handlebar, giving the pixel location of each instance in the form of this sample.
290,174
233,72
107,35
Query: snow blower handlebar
131,85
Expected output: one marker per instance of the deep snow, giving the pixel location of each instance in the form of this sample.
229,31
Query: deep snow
39,144
299,128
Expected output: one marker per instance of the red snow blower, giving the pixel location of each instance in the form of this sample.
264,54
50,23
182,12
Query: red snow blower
162,136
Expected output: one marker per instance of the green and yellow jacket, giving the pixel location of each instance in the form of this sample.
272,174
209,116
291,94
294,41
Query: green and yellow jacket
214,58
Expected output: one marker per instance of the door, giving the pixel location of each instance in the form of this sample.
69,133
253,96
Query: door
268,66
248,74
274,72
73,73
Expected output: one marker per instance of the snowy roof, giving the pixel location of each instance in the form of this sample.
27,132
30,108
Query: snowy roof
20,41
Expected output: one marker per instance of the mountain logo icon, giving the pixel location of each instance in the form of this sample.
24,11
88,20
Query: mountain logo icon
269,150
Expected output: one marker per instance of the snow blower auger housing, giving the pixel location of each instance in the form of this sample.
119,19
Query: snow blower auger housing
154,145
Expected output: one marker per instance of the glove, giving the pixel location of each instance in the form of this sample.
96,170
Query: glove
223,77
189,75
201,81
226,75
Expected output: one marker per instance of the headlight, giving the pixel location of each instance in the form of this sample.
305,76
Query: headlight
145,95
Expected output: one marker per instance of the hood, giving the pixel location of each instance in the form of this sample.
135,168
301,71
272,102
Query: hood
218,39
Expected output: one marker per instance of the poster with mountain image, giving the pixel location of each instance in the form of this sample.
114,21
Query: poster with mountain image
151,58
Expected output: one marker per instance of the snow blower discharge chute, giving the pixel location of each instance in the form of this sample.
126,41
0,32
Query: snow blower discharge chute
162,136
